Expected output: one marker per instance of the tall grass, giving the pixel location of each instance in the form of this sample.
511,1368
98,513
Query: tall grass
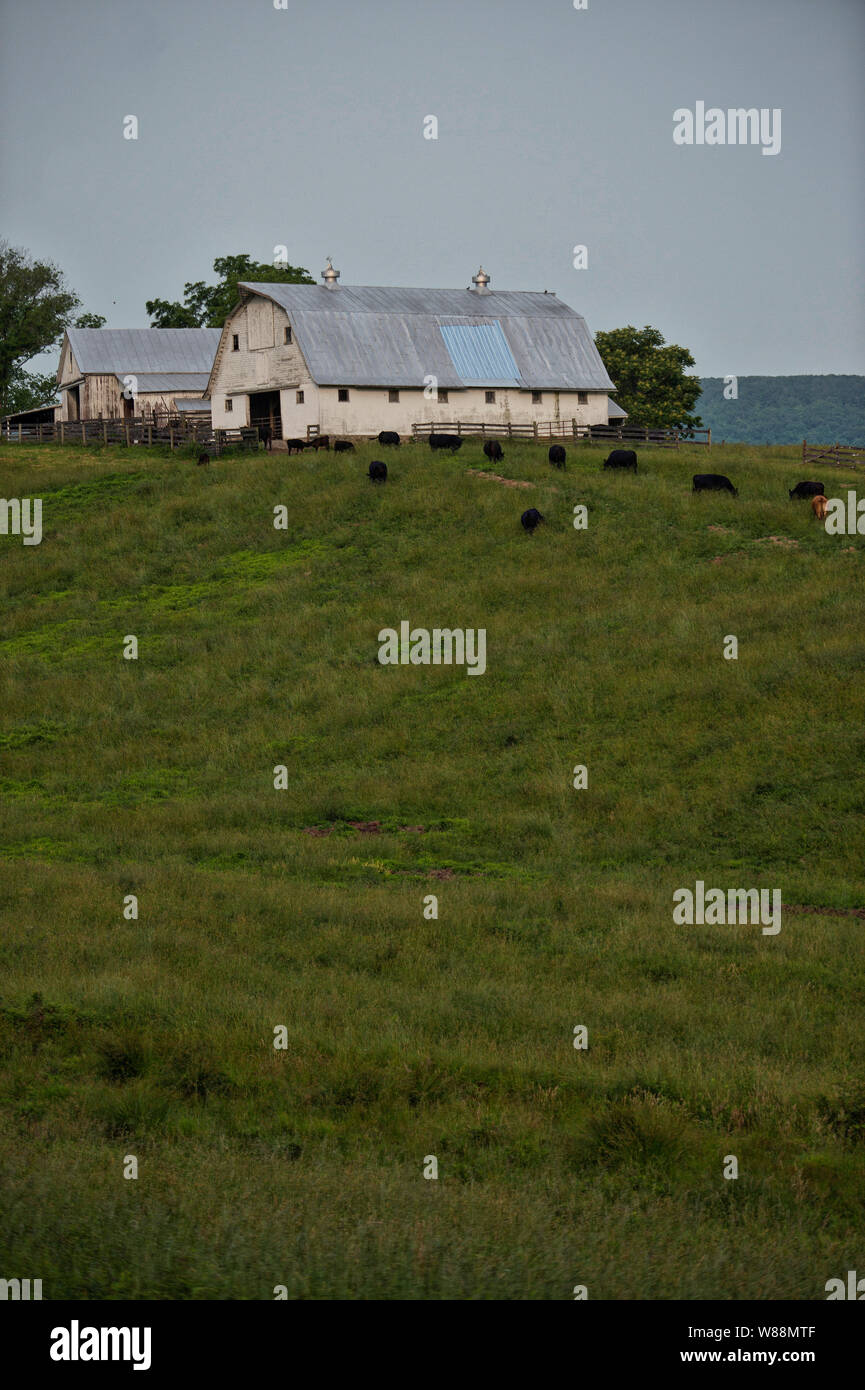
410,1036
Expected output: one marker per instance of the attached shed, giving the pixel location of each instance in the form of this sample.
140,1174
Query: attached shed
615,414
113,372
28,420
354,360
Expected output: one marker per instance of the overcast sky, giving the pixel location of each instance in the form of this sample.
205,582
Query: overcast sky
304,127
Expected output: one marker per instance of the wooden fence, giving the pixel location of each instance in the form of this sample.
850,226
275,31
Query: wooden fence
566,429
838,455
172,430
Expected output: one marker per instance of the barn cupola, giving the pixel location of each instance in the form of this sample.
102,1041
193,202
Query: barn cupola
329,275
481,282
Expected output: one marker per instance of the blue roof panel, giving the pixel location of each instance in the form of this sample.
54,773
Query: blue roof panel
480,354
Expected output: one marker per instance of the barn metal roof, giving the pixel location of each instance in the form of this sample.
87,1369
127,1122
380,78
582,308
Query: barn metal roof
615,411
367,335
166,381
116,351
192,405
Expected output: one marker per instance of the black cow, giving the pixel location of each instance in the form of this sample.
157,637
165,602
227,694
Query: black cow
808,490
265,434
378,471
713,482
446,441
319,441
621,458
493,451
343,446
295,446
557,455
203,458
530,519
388,437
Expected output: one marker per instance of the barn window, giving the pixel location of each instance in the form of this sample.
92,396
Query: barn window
229,405
490,397
298,396
235,342
342,394
288,335
582,398
393,397
442,397
536,398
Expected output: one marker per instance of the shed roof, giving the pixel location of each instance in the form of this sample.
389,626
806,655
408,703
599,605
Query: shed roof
368,335
615,412
101,351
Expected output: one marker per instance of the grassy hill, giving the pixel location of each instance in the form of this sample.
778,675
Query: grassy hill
410,1037
786,409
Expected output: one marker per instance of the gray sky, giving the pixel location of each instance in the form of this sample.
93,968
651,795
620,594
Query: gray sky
304,127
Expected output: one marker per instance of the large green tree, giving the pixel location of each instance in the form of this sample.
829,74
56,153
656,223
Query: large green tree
651,381
208,306
36,305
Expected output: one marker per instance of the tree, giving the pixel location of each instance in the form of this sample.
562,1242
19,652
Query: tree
650,378
90,321
28,390
208,306
35,307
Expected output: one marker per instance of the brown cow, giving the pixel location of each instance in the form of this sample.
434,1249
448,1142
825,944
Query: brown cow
818,507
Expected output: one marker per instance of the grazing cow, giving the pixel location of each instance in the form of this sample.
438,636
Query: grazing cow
446,441
493,451
530,519
295,446
343,446
319,441
203,458
708,482
378,471
388,437
818,507
557,455
802,490
621,458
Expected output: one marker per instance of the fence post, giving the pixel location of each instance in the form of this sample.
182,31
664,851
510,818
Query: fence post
83,433
149,433
126,429
535,428
709,438
171,436
804,450
19,434
62,437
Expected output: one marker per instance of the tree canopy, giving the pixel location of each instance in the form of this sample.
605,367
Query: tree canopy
36,305
650,377
208,306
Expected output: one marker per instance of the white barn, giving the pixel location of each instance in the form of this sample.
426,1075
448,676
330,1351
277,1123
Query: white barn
354,360
109,373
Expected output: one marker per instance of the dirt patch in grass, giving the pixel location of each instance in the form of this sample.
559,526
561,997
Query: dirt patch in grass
363,827
497,478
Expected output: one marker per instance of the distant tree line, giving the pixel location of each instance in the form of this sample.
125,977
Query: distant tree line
786,409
